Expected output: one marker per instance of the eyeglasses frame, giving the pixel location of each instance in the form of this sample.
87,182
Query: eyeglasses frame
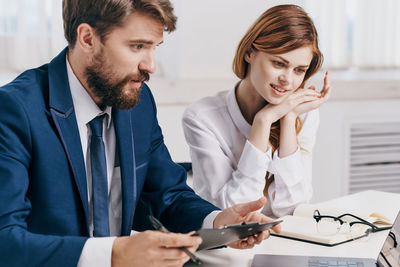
317,216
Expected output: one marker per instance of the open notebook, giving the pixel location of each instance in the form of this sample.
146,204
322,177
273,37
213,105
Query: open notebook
389,256
303,227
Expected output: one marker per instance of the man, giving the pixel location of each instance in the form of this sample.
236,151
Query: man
82,158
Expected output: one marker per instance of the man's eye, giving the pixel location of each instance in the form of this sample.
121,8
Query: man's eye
137,46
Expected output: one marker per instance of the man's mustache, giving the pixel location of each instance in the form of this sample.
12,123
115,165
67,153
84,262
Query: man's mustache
141,77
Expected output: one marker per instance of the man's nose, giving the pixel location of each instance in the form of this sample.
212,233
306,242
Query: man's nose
148,63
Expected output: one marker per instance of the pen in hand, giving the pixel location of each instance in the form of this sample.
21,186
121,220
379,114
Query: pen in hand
158,226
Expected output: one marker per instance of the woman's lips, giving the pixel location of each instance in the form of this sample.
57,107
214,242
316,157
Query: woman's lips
278,90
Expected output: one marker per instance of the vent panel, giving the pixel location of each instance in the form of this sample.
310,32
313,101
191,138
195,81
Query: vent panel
374,157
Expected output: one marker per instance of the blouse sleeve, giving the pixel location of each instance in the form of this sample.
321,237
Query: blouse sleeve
215,175
292,183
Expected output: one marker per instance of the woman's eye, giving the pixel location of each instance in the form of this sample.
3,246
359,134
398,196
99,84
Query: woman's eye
300,71
278,64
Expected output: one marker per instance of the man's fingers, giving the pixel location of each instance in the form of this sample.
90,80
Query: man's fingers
266,234
246,244
260,238
174,263
251,240
276,228
245,208
243,244
178,240
175,253
257,217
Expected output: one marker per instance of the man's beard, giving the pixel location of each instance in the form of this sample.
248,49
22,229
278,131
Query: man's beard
108,89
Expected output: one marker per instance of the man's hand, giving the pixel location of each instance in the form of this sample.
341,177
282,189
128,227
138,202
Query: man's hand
153,248
246,212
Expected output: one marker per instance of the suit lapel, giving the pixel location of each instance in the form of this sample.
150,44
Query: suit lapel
63,114
125,146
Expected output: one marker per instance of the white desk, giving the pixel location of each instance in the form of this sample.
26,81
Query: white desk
387,204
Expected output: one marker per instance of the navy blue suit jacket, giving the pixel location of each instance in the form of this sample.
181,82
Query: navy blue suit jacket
43,189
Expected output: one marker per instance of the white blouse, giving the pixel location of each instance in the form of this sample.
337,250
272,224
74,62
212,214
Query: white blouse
228,169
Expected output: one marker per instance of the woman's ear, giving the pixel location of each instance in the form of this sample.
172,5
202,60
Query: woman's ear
248,57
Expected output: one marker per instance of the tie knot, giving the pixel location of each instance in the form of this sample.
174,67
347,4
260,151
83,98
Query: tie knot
96,126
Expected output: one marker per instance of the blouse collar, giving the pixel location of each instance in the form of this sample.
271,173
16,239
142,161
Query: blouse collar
235,113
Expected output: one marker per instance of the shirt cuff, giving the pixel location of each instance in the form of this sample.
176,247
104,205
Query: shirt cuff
97,252
253,162
290,168
208,222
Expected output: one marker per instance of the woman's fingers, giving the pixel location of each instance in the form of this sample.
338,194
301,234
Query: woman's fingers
327,80
304,99
327,84
327,93
307,91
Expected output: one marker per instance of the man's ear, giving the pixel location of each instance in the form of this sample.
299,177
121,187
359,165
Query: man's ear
86,37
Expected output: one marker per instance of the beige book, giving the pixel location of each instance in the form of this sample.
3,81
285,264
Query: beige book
303,227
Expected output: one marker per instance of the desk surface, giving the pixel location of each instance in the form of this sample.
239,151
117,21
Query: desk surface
367,201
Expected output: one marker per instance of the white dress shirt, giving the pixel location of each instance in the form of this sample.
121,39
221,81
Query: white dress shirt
97,250
228,169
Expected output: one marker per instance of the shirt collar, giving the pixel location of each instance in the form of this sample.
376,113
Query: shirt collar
236,115
85,108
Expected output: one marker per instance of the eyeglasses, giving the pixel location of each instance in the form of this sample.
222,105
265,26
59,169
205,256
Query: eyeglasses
389,254
356,226
393,237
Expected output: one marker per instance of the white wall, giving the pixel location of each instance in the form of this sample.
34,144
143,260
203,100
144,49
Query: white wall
207,34
330,158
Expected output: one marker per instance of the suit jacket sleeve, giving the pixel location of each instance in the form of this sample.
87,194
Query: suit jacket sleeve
19,246
165,192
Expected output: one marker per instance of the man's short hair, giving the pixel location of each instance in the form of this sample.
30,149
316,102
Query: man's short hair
105,15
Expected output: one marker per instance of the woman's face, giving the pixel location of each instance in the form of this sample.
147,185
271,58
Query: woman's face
276,76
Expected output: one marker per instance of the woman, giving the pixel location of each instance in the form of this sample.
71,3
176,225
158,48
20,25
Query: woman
257,138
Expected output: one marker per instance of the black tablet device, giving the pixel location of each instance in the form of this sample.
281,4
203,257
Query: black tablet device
213,238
